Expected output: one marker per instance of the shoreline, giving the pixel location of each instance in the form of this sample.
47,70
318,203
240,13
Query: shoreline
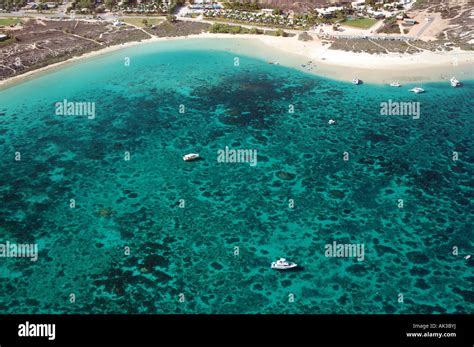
10,81
341,65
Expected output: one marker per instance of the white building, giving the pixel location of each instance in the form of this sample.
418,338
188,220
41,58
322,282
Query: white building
328,11
378,15
358,4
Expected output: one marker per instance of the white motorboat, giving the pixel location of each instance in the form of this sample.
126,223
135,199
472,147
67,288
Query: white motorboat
282,264
395,84
454,82
356,81
191,157
331,121
417,90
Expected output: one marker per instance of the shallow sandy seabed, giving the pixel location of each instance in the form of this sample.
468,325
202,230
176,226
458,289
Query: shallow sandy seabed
300,156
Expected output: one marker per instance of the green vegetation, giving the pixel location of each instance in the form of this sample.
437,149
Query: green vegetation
9,21
178,28
12,4
257,24
127,6
362,23
170,18
89,4
174,4
278,32
110,4
340,16
142,22
310,18
246,5
374,4
218,28
390,26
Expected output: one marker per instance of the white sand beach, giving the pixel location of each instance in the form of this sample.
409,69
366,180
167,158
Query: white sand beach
341,65
378,68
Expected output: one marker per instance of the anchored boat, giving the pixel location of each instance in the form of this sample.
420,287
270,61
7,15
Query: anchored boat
417,90
282,264
454,82
191,157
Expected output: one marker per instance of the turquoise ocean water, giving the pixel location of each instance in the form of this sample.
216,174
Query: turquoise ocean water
189,252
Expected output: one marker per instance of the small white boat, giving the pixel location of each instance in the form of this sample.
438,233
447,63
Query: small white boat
467,257
356,81
395,84
282,264
417,90
454,82
191,157
331,121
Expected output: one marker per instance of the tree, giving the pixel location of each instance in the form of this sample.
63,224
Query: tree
370,2
280,32
235,29
277,12
84,4
110,4
170,18
41,6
